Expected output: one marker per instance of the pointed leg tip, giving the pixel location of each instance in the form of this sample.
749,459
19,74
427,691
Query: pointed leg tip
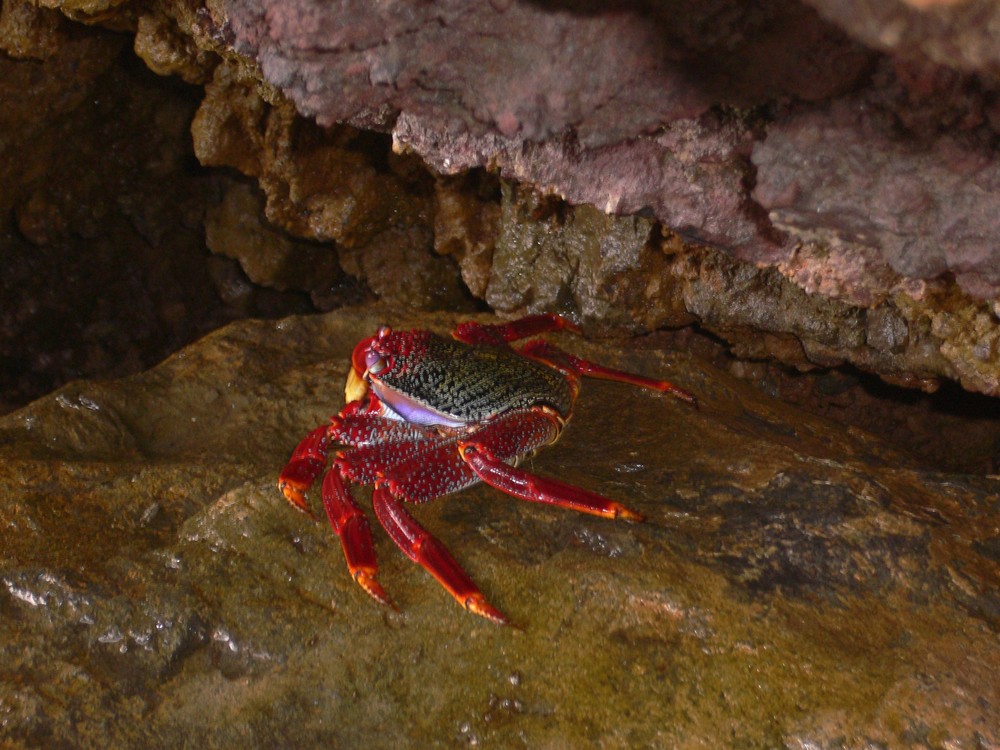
665,386
683,395
367,581
477,604
624,514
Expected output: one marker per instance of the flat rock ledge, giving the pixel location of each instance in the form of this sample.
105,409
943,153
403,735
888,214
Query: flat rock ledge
797,584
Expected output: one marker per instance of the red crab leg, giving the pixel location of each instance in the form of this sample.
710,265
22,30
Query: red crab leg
428,552
472,332
552,355
350,524
526,486
435,468
306,463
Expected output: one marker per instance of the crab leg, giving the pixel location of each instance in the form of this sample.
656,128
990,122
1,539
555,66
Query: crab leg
532,325
545,352
526,486
472,332
303,467
350,524
428,552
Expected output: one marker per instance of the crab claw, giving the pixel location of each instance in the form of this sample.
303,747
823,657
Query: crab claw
357,385
295,494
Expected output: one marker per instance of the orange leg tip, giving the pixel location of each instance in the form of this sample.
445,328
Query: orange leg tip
477,604
623,513
668,387
366,580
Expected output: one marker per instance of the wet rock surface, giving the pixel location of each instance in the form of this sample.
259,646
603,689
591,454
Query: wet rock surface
797,583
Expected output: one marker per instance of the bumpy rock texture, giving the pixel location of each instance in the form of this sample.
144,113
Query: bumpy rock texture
797,584
812,182
575,118
866,180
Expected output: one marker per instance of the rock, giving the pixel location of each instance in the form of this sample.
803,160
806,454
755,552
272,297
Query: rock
690,176
797,583
167,46
320,183
530,71
925,208
847,147
664,124
901,231
235,228
961,35
628,274
323,184
103,259
466,220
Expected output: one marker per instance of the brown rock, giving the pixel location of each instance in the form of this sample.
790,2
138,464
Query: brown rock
796,583
236,229
853,183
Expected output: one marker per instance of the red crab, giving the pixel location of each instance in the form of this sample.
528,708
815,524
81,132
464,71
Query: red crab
428,416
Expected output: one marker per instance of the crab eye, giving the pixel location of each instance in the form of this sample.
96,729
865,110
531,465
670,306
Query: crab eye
374,362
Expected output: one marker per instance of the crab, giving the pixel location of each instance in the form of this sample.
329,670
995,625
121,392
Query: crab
429,416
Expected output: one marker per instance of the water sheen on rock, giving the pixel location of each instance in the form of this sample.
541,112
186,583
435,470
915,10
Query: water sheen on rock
797,583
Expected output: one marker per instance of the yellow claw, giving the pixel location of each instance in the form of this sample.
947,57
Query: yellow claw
356,387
